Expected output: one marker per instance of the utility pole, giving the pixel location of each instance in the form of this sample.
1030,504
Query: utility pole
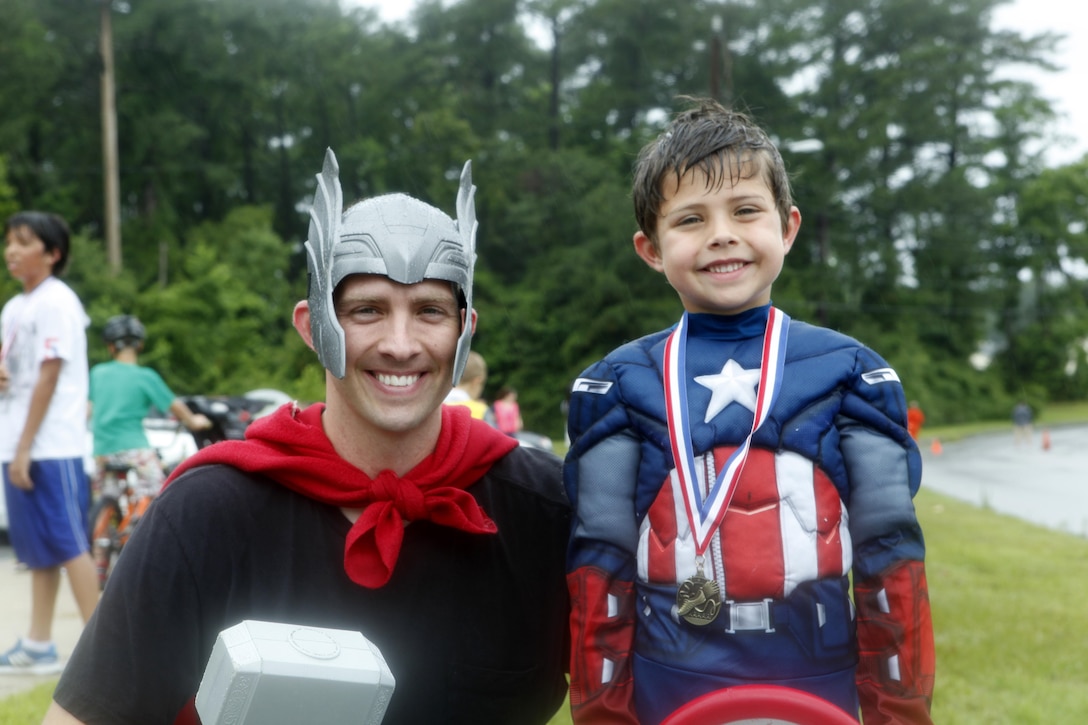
112,177
721,63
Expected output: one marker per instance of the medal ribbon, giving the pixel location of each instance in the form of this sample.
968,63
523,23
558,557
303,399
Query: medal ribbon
704,516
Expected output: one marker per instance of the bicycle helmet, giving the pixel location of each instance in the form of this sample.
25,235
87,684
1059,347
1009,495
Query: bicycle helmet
123,331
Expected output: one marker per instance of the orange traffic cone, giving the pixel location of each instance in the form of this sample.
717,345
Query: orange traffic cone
936,447
1046,439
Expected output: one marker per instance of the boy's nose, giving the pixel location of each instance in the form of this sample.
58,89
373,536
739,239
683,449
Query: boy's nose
722,234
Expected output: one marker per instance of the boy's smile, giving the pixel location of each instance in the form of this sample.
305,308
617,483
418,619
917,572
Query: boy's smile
721,248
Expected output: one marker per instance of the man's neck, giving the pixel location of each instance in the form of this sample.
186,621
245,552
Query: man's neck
374,450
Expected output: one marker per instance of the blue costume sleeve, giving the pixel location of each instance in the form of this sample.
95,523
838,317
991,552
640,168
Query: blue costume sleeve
600,474
896,665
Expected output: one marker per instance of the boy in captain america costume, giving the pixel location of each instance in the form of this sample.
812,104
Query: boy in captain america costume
730,472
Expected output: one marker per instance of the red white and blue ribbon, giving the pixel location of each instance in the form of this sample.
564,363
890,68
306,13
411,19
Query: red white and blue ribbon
706,514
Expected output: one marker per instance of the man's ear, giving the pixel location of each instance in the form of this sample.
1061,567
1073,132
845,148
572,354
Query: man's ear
301,319
648,251
473,320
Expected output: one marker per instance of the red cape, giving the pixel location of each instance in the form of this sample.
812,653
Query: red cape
291,448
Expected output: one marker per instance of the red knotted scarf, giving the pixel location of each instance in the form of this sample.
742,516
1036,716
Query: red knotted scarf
291,448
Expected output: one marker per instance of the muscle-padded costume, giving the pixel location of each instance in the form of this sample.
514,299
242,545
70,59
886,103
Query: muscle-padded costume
827,486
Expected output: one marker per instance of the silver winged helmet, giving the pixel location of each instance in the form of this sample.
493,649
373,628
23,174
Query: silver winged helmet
392,235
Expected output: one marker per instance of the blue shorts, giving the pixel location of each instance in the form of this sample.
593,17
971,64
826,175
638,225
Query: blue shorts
48,524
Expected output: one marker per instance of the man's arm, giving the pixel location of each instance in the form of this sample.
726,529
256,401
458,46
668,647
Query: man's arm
19,471
57,715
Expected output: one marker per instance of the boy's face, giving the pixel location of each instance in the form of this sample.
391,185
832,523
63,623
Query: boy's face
720,248
26,257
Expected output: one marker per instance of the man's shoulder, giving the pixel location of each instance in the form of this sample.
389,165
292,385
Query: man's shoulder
220,484
531,470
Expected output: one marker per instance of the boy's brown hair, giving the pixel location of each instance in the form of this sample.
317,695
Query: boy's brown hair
726,145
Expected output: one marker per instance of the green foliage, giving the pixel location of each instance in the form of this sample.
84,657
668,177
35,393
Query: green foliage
929,233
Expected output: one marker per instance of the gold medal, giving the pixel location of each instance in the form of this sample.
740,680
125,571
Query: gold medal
698,600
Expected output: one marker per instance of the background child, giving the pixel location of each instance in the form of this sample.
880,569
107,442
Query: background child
507,411
122,392
729,472
470,391
43,431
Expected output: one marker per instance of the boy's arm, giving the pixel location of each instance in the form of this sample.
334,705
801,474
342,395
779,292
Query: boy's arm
191,420
600,476
19,471
895,630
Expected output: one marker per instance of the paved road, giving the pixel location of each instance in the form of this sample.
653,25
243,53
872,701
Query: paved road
15,617
1046,487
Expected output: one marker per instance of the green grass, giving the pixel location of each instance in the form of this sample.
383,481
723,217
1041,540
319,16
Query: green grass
27,707
1009,616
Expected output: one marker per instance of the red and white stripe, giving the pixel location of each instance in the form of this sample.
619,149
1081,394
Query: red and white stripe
785,525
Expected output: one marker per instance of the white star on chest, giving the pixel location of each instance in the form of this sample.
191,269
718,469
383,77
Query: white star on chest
733,384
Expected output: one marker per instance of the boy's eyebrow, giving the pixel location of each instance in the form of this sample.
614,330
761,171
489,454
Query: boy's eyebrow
696,203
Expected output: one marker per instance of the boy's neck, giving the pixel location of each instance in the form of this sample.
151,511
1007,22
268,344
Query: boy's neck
32,284
126,355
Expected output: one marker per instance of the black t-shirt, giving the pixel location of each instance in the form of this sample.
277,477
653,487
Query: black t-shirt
472,626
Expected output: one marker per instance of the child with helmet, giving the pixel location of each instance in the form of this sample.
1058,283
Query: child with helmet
121,393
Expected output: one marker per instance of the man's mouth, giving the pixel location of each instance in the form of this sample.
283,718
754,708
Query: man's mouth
396,381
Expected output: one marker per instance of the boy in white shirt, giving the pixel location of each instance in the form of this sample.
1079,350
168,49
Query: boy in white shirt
43,430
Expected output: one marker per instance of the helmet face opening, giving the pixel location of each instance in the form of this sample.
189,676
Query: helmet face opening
392,235
123,331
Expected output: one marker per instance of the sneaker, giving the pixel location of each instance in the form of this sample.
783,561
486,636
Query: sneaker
20,660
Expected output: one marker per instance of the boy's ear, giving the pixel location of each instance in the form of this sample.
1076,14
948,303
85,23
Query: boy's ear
793,225
649,252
